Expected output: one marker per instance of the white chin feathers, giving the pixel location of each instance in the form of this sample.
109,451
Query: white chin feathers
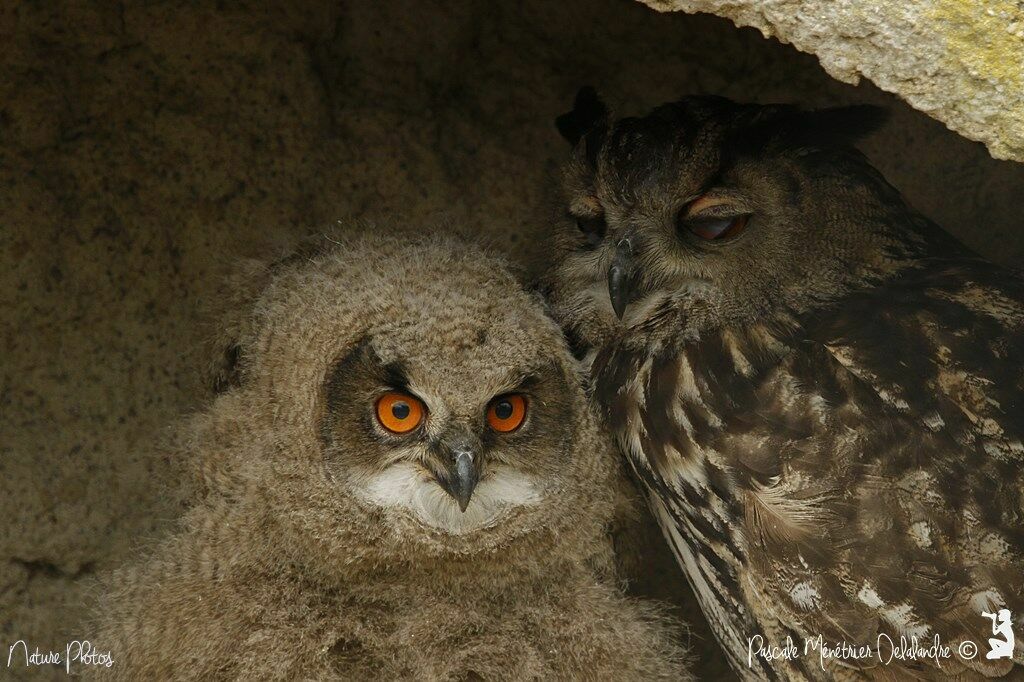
409,487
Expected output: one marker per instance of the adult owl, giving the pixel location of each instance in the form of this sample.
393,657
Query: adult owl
818,389
403,482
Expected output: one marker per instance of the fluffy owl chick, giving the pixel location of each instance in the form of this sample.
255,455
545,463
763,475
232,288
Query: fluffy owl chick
406,483
819,390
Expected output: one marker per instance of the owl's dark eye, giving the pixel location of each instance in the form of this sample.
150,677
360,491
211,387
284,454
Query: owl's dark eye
593,229
713,217
503,410
717,228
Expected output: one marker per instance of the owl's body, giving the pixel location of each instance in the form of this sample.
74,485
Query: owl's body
202,609
823,406
823,479
341,532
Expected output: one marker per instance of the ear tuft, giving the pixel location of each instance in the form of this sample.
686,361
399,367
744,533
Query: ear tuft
587,112
846,125
783,126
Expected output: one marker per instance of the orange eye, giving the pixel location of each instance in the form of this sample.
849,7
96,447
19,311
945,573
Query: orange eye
506,413
399,412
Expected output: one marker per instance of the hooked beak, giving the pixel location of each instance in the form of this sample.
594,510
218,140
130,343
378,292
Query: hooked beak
620,277
461,476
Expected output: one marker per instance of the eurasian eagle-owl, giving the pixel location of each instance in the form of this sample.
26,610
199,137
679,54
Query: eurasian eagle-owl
405,483
818,389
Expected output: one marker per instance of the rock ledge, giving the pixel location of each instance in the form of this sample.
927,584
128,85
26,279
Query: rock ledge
959,61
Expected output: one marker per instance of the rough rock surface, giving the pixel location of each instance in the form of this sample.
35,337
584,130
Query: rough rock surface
959,61
146,145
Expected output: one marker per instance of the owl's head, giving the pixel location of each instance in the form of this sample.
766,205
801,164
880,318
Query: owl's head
401,396
706,213
459,410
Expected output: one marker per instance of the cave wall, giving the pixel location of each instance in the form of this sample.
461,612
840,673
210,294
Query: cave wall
146,145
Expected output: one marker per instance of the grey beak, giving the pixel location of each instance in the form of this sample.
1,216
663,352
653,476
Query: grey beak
461,477
620,276
465,476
